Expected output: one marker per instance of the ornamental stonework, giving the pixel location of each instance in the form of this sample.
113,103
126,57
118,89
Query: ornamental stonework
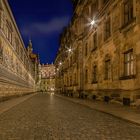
14,59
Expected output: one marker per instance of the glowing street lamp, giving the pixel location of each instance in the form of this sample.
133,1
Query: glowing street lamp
92,22
69,50
60,63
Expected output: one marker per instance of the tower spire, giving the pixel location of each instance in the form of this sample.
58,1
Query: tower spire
30,47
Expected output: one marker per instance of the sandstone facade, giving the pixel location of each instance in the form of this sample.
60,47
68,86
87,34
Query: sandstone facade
16,68
47,78
104,63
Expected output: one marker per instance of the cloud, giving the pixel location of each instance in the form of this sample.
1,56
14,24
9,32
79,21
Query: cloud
45,28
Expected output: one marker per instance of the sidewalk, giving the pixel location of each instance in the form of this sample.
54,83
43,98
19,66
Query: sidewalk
6,105
130,114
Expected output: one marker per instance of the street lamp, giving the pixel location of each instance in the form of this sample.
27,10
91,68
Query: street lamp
69,50
60,63
92,22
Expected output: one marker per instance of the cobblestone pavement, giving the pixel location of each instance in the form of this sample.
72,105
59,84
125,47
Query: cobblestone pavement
47,117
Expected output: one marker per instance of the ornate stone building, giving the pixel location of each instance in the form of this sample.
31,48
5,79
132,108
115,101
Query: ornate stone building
17,74
99,54
47,77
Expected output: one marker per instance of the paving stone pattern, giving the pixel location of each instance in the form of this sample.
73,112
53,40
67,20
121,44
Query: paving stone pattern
48,117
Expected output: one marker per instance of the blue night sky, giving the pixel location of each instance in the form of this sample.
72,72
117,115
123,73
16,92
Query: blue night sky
42,21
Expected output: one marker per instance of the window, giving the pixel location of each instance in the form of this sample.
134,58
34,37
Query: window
74,79
70,60
86,12
67,81
107,69
70,80
128,63
128,11
1,52
86,76
94,41
94,7
105,1
94,74
86,49
0,19
86,16
107,29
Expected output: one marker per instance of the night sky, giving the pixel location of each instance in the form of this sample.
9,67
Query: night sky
42,21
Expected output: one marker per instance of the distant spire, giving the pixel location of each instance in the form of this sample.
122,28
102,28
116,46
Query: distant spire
30,47
30,43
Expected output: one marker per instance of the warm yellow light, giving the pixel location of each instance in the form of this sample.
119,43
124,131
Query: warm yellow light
69,50
92,22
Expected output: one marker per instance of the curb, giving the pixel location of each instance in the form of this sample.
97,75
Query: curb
8,104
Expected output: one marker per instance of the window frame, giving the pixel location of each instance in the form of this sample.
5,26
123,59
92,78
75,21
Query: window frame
128,12
107,69
95,41
107,29
86,76
86,49
95,78
128,63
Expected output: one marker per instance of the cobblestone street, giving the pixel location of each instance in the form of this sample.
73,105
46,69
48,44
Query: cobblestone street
48,117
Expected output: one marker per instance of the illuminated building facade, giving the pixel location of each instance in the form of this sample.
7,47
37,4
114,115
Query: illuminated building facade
104,64
17,74
47,77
